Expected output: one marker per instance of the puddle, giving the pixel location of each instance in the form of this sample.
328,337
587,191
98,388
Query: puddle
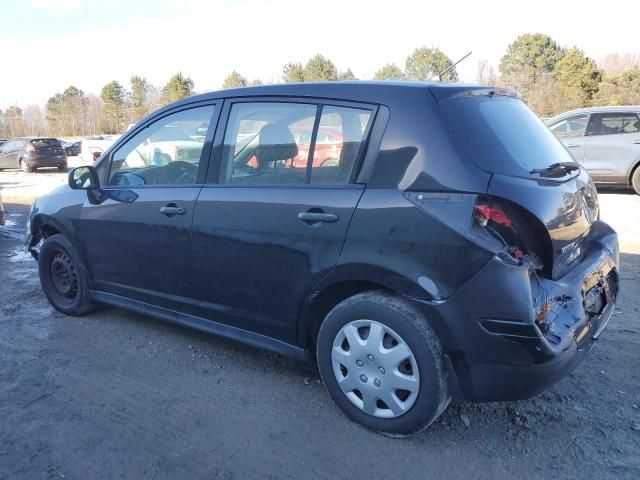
14,228
18,255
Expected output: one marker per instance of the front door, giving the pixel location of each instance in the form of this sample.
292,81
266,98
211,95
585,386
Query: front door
571,131
136,231
271,226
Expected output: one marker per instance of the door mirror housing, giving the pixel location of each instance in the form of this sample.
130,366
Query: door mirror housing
84,178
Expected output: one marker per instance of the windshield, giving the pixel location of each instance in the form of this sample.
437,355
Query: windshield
503,136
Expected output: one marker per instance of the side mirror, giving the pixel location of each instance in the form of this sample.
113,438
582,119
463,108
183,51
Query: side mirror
84,178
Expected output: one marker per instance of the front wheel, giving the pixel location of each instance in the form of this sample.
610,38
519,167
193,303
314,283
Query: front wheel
62,277
635,180
62,167
382,364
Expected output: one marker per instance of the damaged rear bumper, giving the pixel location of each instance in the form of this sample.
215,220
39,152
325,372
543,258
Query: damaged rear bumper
510,334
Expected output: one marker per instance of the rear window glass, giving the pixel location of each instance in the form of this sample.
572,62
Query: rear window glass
503,136
45,142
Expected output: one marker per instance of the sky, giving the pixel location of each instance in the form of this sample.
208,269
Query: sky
88,43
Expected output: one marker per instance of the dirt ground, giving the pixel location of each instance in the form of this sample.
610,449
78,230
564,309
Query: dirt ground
119,395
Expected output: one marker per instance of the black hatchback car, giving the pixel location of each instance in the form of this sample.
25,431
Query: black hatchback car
32,153
452,252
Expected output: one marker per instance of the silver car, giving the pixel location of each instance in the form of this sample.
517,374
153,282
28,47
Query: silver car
605,140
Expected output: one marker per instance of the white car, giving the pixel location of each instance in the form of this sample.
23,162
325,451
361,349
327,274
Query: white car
605,141
93,147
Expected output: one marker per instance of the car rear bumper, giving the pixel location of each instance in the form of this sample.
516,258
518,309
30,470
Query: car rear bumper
510,335
47,161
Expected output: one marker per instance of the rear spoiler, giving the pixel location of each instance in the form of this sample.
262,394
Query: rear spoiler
447,92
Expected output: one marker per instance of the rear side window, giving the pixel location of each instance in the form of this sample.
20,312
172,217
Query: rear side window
267,143
613,124
502,135
340,137
271,143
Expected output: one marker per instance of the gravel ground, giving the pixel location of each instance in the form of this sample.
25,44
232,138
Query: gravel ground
119,395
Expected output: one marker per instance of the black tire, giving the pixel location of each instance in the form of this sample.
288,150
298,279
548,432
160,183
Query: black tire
63,167
635,180
392,312
25,166
63,278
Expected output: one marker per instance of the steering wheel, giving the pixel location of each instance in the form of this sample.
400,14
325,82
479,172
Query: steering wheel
181,172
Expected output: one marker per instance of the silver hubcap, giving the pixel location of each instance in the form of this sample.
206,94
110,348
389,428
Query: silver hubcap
375,368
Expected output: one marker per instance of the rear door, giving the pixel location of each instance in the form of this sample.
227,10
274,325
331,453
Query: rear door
266,227
613,145
571,131
137,231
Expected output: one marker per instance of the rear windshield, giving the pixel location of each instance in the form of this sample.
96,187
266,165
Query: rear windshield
45,142
502,135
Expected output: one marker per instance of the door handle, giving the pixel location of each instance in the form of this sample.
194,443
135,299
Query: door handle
312,217
171,210
573,145
636,142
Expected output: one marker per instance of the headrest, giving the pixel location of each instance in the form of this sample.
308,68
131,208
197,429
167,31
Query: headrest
275,142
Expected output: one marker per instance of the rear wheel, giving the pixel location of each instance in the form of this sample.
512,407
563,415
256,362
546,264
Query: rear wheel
62,167
635,180
25,166
62,277
382,364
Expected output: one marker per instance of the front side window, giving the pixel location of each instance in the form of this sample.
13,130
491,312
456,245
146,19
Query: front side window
571,127
166,152
613,124
267,143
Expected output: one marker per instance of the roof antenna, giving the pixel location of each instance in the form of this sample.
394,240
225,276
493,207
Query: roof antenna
441,74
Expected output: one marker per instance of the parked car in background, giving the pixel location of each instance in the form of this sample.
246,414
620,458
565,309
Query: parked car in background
452,253
92,147
605,140
3,140
72,149
31,153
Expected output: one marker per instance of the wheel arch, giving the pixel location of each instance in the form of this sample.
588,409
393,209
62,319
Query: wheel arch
43,226
632,170
342,283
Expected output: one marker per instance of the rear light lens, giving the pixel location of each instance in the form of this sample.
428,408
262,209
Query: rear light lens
481,219
29,147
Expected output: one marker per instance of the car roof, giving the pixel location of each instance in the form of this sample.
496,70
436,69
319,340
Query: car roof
374,91
603,109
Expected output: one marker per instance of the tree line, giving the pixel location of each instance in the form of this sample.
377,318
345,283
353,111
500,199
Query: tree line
550,78
75,113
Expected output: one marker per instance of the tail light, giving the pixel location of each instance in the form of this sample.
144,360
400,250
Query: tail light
29,147
489,222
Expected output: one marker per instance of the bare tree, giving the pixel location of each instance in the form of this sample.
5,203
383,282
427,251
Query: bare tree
487,74
34,121
616,63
